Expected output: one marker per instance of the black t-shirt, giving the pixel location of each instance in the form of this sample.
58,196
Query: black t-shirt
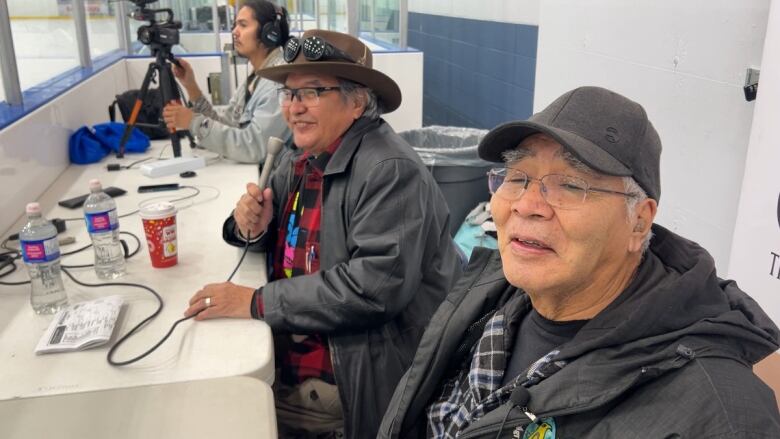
535,337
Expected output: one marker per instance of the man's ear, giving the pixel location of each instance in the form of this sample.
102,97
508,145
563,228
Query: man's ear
359,104
644,214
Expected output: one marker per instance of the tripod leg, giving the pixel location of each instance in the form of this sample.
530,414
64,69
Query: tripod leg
170,94
139,101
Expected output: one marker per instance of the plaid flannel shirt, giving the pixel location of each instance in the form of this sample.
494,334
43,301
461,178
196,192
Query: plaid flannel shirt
297,253
475,391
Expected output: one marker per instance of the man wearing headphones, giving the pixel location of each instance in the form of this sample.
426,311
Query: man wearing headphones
241,130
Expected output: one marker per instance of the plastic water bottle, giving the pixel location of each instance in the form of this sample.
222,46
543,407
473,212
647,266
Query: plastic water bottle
41,254
103,226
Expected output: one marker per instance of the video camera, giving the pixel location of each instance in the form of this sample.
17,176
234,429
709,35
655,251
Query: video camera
164,34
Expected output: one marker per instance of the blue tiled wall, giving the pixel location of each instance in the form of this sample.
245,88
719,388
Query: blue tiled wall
476,73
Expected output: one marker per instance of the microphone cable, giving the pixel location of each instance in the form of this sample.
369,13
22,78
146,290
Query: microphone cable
274,146
519,398
241,259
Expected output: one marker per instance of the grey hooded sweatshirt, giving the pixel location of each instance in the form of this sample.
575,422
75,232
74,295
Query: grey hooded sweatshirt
671,357
240,131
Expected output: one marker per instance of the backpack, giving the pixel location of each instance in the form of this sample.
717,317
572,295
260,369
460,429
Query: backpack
150,114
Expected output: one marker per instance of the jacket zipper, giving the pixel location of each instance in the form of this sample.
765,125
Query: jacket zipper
471,285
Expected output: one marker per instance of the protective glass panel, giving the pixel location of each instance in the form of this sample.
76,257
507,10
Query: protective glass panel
102,27
44,38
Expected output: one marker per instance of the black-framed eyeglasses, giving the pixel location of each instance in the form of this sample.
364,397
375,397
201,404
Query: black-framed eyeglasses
314,49
563,191
308,96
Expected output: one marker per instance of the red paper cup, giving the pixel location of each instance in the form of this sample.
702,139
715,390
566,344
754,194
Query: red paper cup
159,221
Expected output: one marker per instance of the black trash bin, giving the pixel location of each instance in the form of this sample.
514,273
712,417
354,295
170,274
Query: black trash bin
450,153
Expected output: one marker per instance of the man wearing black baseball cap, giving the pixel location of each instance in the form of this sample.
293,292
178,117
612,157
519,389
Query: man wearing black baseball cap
580,325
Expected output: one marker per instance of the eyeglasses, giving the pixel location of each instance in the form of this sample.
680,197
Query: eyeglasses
314,49
308,96
562,191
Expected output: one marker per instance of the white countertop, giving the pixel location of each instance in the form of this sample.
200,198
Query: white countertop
195,350
235,408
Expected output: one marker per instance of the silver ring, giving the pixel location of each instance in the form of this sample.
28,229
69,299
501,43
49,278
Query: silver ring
207,301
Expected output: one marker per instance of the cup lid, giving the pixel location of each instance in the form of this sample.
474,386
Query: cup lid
157,210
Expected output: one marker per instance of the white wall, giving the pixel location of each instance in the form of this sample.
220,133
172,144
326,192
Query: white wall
34,149
755,256
685,62
507,11
406,69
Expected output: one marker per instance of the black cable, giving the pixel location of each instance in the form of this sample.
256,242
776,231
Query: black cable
128,214
125,215
159,157
8,259
518,398
24,282
137,327
4,245
501,428
137,242
197,192
78,250
137,162
243,255
128,255
113,349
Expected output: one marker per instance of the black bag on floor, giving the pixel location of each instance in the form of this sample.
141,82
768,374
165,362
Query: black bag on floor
149,119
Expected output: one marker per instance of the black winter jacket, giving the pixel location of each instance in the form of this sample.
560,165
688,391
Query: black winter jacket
387,261
667,359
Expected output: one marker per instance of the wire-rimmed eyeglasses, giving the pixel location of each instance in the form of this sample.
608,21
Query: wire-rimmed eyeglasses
563,191
308,96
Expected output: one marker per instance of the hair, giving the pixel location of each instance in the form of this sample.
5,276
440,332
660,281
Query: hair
265,12
630,186
353,90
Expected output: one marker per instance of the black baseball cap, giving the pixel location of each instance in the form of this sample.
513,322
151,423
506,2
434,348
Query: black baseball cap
606,131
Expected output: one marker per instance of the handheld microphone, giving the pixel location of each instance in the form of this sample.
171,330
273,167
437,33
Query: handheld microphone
274,146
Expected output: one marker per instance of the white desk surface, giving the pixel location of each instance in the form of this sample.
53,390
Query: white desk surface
195,350
236,408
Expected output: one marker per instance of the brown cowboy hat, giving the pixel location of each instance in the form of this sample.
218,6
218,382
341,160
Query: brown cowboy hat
360,70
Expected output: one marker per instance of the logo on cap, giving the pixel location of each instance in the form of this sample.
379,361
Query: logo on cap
612,135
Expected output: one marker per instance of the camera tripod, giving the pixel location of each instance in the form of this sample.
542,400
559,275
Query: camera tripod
170,94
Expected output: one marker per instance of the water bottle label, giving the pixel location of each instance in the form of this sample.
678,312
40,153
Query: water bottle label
36,252
102,221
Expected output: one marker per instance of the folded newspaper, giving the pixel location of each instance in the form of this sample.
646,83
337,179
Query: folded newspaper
81,326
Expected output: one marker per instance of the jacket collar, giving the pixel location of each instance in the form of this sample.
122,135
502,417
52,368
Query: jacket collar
351,141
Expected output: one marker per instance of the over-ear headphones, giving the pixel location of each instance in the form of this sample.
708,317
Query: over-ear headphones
271,32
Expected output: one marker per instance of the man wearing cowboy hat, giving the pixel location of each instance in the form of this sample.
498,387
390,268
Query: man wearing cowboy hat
356,231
